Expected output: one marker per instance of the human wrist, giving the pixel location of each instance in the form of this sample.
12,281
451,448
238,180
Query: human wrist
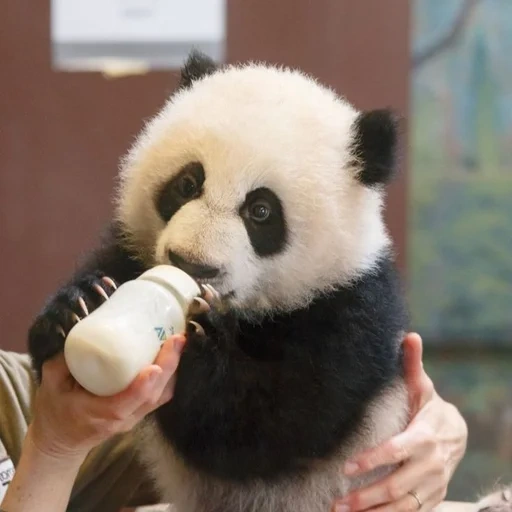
52,450
43,479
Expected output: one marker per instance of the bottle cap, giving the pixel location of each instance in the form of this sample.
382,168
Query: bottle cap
184,286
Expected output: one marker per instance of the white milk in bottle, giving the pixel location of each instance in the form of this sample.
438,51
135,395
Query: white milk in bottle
107,349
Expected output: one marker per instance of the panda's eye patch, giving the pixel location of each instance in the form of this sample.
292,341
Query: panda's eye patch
260,211
187,186
179,190
264,218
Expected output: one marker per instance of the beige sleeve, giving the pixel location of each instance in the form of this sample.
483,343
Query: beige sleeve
110,478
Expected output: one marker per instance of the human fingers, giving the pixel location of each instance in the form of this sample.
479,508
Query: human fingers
422,476
168,359
147,387
419,385
56,379
148,407
414,441
411,502
163,388
164,391
55,376
69,418
401,446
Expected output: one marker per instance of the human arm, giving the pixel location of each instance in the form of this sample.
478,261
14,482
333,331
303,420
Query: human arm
31,488
68,422
428,451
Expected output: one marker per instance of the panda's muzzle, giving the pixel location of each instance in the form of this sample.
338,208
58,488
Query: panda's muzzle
195,270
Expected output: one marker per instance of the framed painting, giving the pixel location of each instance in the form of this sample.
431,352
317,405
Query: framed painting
460,221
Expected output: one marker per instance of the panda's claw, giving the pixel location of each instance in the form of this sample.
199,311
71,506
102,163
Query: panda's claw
83,306
206,293
71,303
195,328
61,331
109,282
101,291
215,293
198,306
210,295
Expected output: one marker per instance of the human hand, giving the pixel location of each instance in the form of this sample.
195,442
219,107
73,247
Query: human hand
428,451
70,421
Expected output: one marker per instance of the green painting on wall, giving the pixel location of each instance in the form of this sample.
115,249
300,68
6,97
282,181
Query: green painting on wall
460,233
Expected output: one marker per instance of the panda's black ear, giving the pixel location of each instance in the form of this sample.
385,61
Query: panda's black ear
375,146
196,66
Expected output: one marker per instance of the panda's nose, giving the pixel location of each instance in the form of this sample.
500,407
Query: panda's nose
195,270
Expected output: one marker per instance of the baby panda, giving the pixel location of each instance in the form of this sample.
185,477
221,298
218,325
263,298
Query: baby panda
268,189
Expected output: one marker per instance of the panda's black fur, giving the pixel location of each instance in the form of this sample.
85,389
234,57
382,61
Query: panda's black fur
325,361
262,399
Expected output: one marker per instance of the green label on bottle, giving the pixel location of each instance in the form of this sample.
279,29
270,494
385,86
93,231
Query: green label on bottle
160,332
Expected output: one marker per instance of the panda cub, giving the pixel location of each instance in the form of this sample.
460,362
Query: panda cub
267,188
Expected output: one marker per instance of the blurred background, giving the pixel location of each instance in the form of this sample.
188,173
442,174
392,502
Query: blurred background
78,80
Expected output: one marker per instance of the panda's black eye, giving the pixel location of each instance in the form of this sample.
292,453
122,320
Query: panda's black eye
179,190
263,216
187,186
260,211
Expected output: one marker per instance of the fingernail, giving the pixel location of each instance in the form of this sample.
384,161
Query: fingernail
342,507
351,468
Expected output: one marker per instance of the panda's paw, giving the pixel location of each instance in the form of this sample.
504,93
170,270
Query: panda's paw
71,304
497,501
204,319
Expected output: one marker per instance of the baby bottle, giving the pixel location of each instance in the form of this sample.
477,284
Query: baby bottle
107,349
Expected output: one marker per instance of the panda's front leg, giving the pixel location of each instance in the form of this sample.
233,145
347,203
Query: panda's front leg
71,303
94,281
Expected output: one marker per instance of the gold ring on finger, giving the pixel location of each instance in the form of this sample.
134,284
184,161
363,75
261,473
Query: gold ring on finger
416,497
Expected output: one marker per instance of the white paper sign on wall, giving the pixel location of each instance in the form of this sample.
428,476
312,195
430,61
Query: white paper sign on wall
147,34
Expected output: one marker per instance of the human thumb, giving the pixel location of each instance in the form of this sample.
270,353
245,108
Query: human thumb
419,385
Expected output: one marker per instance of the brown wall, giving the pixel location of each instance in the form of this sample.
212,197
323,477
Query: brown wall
61,135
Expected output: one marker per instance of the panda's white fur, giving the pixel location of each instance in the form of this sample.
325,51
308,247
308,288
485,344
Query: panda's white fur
250,125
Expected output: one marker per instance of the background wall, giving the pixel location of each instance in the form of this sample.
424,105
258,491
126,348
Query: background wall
61,134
